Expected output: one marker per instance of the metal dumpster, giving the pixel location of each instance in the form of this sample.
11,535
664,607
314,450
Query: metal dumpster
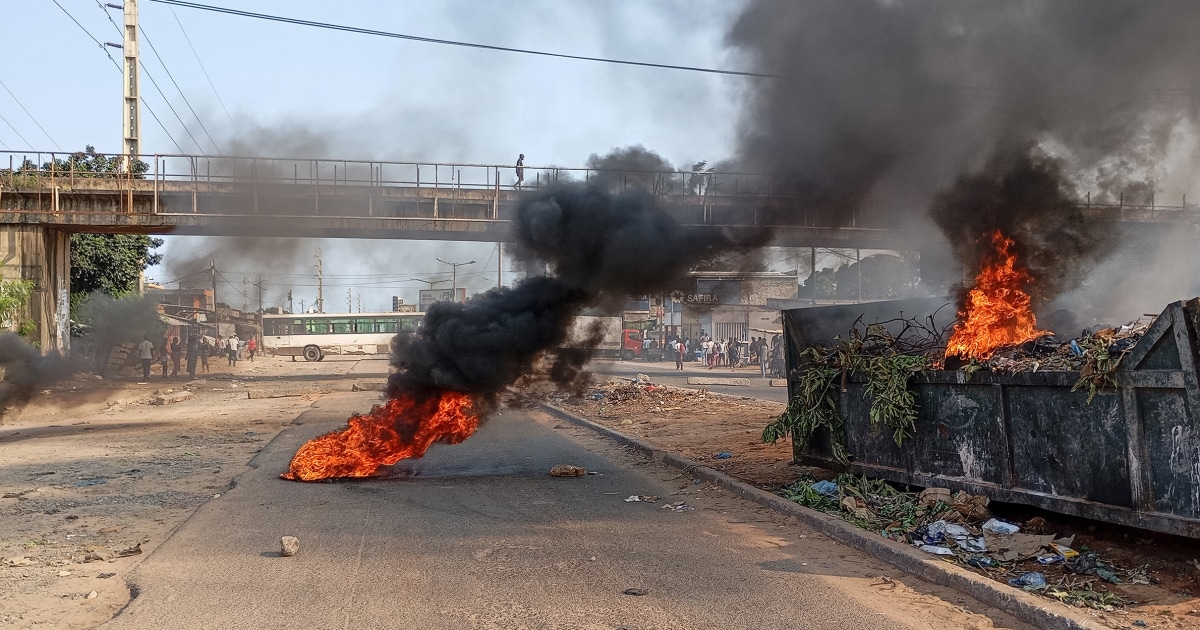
1131,456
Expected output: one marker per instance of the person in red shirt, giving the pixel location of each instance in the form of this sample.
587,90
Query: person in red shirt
251,346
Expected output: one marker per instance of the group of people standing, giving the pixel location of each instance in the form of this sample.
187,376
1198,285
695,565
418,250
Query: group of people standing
172,353
729,352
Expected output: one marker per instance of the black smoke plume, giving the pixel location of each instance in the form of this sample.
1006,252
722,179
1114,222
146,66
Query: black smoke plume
1025,197
25,370
879,106
599,248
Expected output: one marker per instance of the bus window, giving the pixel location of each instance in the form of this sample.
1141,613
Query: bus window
316,326
408,324
388,326
342,326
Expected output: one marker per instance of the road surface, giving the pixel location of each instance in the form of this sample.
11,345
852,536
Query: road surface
479,536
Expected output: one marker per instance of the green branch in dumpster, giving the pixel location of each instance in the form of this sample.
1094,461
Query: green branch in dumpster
887,361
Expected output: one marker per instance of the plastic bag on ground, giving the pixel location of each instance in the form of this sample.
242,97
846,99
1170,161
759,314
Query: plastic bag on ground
1000,527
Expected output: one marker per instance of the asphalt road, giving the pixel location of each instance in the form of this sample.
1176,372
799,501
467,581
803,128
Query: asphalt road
479,536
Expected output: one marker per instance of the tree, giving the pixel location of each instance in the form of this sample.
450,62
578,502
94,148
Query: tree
110,263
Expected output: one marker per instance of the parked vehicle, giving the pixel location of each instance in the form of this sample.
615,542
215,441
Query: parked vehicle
313,336
610,338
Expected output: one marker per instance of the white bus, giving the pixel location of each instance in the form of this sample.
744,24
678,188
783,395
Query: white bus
314,335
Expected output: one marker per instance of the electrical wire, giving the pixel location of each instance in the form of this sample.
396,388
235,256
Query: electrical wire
208,78
14,129
118,67
447,42
35,121
179,89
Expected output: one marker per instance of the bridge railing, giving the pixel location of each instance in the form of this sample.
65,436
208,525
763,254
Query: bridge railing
47,171
27,169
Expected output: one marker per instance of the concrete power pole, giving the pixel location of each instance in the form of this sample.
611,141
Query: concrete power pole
320,284
245,293
349,300
130,117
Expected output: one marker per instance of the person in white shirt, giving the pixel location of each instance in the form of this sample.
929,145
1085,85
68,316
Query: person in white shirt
232,349
146,354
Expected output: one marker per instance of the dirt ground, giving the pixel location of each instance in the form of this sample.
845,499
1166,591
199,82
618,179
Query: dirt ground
93,477
702,425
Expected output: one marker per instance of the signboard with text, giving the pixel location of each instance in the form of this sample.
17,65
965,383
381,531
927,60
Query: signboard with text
429,296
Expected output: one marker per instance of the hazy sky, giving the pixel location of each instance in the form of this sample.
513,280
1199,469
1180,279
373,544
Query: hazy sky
357,96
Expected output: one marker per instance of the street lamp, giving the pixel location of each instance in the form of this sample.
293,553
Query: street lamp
454,275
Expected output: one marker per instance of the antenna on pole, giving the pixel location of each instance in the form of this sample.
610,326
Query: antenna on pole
131,119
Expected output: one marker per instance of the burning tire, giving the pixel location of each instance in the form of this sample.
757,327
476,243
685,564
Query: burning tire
313,353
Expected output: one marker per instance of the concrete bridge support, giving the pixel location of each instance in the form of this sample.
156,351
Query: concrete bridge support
43,255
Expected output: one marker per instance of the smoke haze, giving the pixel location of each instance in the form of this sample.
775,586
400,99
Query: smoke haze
881,106
600,248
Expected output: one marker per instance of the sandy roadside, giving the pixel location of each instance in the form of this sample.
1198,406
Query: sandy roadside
93,476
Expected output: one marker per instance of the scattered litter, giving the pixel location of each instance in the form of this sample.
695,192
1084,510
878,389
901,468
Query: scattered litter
1049,558
724,455
288,546
636,591
1033,579
103,576
17,562
678,507
93,595
90,482
1000,527
937,549
930,497
830,489
983,562
132,551
566,470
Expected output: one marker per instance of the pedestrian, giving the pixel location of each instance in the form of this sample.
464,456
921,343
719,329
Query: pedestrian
251,346
176,356
680,352
232,349
164,355
146,354
205,350
762,357
193,349
520,170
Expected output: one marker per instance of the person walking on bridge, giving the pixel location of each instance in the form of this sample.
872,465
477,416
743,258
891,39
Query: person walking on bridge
520,171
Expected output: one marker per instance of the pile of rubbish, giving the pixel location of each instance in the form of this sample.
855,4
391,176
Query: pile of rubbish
959,528
1048,354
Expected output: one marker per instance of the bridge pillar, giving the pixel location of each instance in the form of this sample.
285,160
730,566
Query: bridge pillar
43,255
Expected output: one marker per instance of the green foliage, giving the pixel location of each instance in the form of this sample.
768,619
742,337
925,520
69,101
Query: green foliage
700,180
86,163
874,355
1098,370
14,298
110,263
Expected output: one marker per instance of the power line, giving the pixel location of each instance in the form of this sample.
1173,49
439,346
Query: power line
208,78
118,68
22,106
447,42
180,90
10,126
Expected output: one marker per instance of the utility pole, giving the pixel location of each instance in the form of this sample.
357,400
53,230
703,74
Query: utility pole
320,284
349,300
260,287
454,276
302,307
131,120
245,293
813,276
212,266
360,303
291,305
499,264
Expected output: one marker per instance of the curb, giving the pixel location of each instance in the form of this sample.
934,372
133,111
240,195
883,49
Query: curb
1025,607
709,380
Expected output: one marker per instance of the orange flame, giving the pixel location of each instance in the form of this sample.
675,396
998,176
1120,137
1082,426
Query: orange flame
998,312
401,428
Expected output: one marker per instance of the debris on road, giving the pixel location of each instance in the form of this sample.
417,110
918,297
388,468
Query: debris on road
566,470
289,546
633,498
953,526
636,591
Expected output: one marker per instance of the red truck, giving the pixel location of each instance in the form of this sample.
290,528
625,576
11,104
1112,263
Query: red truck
615,341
